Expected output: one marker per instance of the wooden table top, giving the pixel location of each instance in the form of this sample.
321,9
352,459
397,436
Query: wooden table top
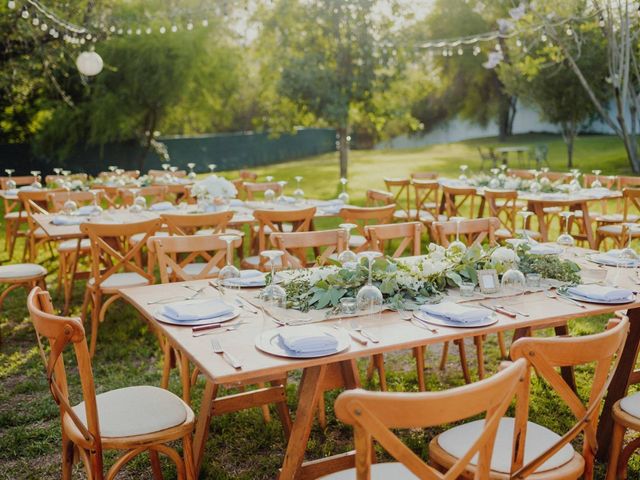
394,332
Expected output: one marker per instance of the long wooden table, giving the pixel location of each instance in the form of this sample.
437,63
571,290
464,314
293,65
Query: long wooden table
320,374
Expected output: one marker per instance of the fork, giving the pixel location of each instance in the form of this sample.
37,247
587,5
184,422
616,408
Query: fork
214,329
409,317
513,310
557,296
230,359
358,328
175,299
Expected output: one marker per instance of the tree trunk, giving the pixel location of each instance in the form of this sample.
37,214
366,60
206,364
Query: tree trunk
569,132
150,126
343,149
506,114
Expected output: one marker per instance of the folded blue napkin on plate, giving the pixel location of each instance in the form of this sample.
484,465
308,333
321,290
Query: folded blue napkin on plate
67,220
189,310
600,293
455,312
308,339
161,206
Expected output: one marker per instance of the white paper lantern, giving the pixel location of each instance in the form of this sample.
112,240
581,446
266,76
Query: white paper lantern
89,64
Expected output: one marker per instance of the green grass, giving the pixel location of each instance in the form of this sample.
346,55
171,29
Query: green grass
242,446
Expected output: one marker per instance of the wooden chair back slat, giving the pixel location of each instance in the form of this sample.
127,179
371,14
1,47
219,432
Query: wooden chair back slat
271,221
426,195
297,245
58,199
472,232
631,204
161,173
20,180
248,175
503,204
188,224
363,216
378,198
252,188
409,234
457,198
155,194
546,355
425,175
374,414
401,190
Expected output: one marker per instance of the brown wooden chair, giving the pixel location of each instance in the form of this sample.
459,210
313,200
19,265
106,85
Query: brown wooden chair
296,247
400,188
539,452
620,232
53,179
198,223
374,414
127,173
252,188
503,205
273,221
378,198
57,199
154,194
35,201
425,176
459,201
472,232
14,214
132,419
26,275
111,195
363,216
115,265
161,173
426,194
248,175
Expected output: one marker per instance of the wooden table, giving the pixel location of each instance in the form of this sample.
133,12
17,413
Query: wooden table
320,374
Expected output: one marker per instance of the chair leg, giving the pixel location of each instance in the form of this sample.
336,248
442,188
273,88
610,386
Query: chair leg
156,468
445,354
418,353
95,321
502,345
479,342
187,451
625,456
67,457
463,360
166,364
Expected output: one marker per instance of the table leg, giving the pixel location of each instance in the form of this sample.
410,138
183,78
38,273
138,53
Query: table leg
202,424
586,220
619,383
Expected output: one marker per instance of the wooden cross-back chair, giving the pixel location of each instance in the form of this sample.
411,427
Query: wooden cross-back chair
111,194
363,216
378,198
274,221
155,194
556,458
296,247
252,188
50,179
426,194
374,415
425,175
133,419
35,201
620,232
127,173
248,175
458,199
199,223
58,199
400,188
14,214
503,205
472,232
524,174
115,264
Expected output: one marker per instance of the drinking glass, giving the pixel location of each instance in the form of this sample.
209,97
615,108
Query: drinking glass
212,167
112,168
457,244
513,282
574,184
495,181
347,256
282,183
463,173
139,202
627,252
344,196
596,183
11,184
165,166
97,209
525,214
57,170
545,179
274,294
535,186
36,183
369,297
69,207
565,239
192,174
173,169
229,271
298,193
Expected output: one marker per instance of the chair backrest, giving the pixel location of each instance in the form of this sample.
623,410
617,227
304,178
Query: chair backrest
60,332
160,173
126,173
409,234
188,224
36,201
625,182
503,204
173,254
524,174
58,199
112,251
248,175
425,175
110,194
20,180
401,190
49,179
374,414
378,198
252,188
562,177
472,232
545,355
426,195
155,194
631,198
296,247
363,216
458,198
271,221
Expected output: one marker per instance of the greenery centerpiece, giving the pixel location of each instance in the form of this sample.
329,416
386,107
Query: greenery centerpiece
413,281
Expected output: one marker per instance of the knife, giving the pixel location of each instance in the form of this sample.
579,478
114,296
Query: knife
499,310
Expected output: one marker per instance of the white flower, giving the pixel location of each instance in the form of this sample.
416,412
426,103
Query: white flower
214,186
504,256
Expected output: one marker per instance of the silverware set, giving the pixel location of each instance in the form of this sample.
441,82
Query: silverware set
410,317
196,292
216,344
561,297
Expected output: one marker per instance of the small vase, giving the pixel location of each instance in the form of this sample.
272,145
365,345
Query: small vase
215,204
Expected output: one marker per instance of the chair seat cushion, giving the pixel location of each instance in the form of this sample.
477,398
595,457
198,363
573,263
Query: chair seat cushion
227,231
21,270
17,215
196,268
122,280
286,228
552,210
616,217
616,230
458,440
356,241
254,261
40,233
71,245
505,233
631,404
139,236
130,411
379,471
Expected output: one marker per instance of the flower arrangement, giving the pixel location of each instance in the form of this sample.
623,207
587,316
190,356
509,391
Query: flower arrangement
405,283
214,187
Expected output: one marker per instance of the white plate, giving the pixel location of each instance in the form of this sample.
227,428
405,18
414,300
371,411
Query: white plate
420,315
596,258
579,298
270,342
205,321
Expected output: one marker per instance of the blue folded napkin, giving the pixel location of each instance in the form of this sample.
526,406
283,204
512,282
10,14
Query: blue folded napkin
67,220
455,312
161,206
308,339
600,293
189,310
248,278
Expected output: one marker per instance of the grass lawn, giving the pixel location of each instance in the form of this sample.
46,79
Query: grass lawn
242,446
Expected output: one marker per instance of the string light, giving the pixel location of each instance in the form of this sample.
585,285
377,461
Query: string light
11,4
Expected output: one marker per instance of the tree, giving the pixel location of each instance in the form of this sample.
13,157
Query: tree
333,54
541,77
